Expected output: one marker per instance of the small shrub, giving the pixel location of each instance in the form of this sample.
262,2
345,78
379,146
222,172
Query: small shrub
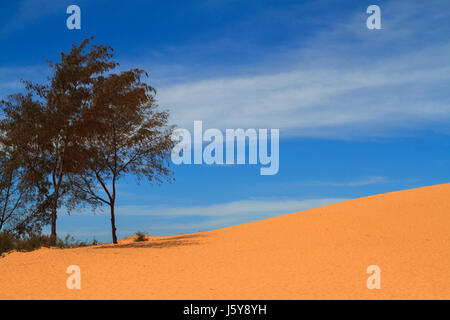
7,242
68,241
10,242
140,236
33,242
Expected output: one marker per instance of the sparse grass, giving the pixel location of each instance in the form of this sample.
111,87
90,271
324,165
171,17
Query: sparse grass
140,236
10,242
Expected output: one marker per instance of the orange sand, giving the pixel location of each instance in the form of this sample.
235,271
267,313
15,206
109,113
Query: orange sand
321,253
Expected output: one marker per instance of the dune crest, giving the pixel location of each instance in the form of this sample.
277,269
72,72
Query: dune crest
321,253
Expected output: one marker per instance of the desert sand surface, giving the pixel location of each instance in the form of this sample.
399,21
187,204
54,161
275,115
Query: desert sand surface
321,253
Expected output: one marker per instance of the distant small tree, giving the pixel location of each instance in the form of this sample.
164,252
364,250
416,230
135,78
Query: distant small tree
130,137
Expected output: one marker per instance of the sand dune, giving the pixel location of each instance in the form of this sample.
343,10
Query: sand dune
321,253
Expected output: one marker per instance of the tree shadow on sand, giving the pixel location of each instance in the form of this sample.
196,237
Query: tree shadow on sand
176,241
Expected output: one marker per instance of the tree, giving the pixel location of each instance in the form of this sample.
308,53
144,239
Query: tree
45,126
18,212
77,135
129,136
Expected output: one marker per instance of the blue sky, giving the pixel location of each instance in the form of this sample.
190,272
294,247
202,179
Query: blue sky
360,111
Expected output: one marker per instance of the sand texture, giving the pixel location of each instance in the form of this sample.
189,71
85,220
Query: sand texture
321,253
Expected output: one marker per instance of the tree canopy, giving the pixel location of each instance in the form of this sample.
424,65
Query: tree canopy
75,136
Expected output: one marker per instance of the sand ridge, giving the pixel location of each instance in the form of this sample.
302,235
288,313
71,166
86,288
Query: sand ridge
321,253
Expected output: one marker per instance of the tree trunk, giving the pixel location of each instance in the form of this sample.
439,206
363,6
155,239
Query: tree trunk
113,224
53,233
56,186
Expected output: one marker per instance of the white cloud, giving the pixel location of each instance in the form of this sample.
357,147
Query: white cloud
347,82
344,82
306,102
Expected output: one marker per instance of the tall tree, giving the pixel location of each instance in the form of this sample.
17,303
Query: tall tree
45,127
129,136
85,129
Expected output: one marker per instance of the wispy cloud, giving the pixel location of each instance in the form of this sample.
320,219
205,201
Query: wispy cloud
169,220
343,82
236,208
315,102
355,183
10,78
347,82
221,215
